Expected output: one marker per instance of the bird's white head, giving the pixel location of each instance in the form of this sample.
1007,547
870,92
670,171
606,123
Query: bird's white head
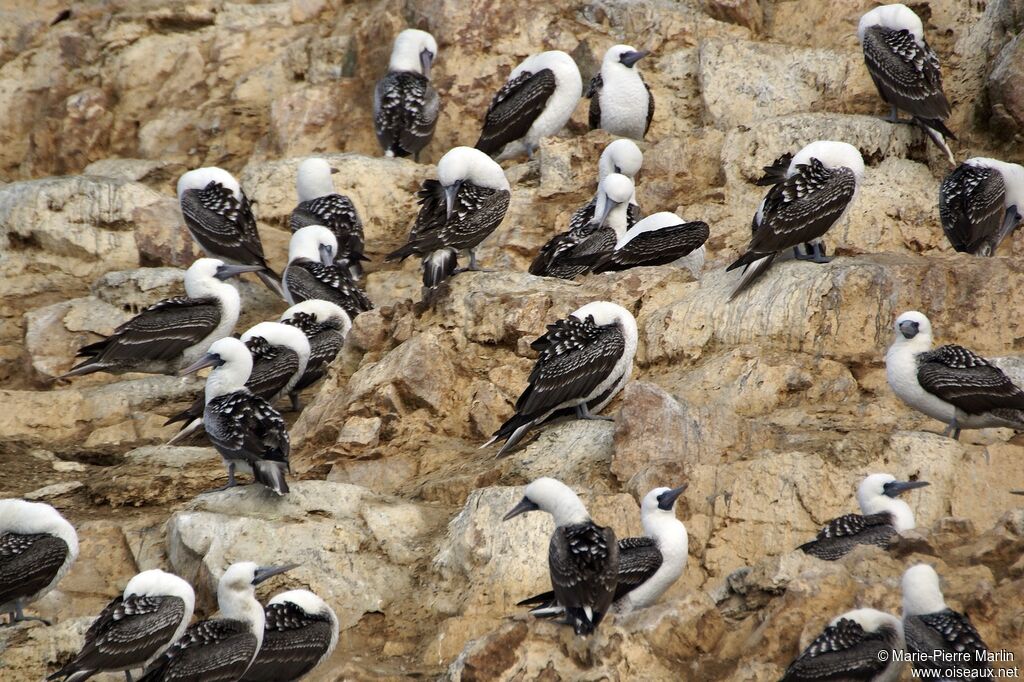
658,517
832,155
554,497
277,334
879,493
313,179
200,178
30,518
872,620
324,312
606,313
562,66
1013,179
612,203
621,58
231,362
236,592
465,164
315,243
921,591
415,51
914,330
621,156
158,583
206,277
897,17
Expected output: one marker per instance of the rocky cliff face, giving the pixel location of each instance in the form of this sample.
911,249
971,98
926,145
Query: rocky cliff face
772,408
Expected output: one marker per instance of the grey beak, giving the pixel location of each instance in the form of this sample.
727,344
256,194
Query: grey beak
326,254
631,58
208,360
524,506
609,206
909,329
266,572
334,171
426,61
227,271
1017,492
450,192
895,488
669,497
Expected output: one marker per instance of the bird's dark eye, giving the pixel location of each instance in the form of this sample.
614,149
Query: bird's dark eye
617,169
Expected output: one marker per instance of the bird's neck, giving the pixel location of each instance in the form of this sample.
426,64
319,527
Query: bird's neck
669,533
902,516
242,606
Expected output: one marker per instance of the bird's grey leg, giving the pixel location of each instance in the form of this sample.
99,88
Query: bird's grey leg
473,266
19,616
583,412
815,252
952,430
128,675
296,403
894,114
231,480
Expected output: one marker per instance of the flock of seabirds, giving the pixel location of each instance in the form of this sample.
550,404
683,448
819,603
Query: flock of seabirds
583,361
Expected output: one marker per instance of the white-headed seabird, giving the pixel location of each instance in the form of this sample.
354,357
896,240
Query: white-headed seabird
648,565
951,383
37,548
583,557
569,254
220,649
325,325
981,203
219,217
536,101
935,631
863,645
245,429
620,100
174,332
319,204
811,192
405,104
134,628
313,273
905,70
883,516
658,239
459,210
584,361
300,633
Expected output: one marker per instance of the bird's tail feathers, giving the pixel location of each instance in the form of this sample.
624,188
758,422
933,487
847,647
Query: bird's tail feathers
581,622
87,367
271,475
753,270
439,266
512,431
187,431
938,131
544,598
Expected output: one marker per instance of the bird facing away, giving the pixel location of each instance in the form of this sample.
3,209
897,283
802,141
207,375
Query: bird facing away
620,101
658,239
535,102
172,333
325,325
883,517
648,565
933,628
980,204
134,628
300,633
584,361
570,253
319,204
905,70
245,429
220,649
583,557
859,645
37,548
313,273
219,217
458,211
405,104
810,193
951,383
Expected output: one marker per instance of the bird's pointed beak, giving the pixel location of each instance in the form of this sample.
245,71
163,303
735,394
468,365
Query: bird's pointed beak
609,205
909,329
326,254
524,506
334,171
208,360
631,58
426,61
450,192
227,270
1017,492
895,488
669,497
264,573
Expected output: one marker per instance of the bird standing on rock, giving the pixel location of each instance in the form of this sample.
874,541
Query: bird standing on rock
319,204
300,633
312,272
405,104
981,203
620,100
862,645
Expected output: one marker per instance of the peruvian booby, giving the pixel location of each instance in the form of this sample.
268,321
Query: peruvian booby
319,204
174,332
658,239
245,429
134,628
458,211
620,100
951,383
883,517
568,254
219,217
535,102
981,203
220,649
300,633
583,557
648,565
37,548
325,325
905,69
621,156
810,193
313,273
935,631
405,104
584,361
280,354
863,645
